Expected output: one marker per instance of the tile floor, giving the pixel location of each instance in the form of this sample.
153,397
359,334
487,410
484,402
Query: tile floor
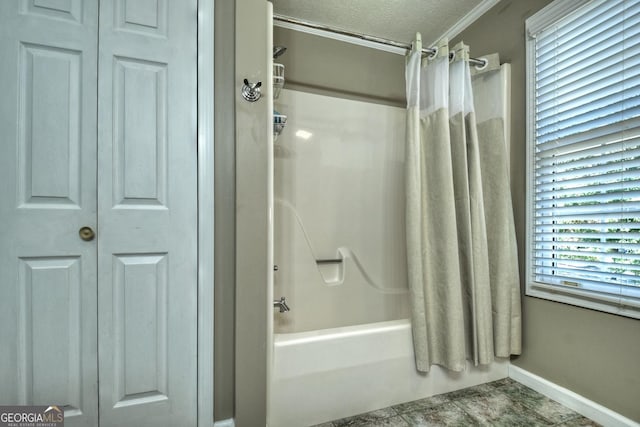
500,403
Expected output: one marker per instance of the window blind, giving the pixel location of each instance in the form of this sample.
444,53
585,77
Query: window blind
585,151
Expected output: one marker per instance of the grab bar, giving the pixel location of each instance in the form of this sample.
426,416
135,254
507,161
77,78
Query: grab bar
329,261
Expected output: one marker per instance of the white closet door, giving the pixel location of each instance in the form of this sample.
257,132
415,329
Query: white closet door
147,212
48,343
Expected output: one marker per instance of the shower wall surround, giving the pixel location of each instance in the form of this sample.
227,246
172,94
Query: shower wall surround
339,196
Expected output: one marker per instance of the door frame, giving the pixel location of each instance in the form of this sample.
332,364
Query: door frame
206,211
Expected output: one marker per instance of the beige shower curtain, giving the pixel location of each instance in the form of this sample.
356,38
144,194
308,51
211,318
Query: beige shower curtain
457,306
491,110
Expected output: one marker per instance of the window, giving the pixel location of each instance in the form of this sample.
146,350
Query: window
583,166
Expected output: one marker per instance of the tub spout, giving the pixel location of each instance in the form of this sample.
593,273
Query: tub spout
281,304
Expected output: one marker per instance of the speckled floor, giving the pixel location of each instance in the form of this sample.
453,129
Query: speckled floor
499,403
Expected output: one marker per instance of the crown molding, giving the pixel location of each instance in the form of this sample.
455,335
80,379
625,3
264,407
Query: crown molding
466,20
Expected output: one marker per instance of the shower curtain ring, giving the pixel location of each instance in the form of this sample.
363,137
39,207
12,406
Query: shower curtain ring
485,63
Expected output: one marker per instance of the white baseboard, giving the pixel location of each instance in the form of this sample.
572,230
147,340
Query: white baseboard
571,400
224,423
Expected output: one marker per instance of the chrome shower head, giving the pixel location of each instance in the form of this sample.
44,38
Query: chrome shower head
278,50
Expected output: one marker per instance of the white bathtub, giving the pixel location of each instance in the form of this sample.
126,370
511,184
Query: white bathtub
323,375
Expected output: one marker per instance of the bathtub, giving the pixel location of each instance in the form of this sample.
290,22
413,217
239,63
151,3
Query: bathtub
323,375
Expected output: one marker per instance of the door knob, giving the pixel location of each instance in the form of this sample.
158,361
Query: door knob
86,234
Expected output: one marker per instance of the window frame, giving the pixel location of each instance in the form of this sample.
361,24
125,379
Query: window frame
546,17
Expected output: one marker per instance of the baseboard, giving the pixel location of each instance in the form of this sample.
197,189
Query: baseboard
568,398
224,423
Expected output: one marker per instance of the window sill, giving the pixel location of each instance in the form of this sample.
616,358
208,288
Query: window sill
627,307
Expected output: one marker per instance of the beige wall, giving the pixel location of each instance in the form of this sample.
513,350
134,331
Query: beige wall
253,188
241,289
591,353
324,66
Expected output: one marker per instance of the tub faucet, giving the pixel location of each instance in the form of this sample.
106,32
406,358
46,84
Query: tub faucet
282,305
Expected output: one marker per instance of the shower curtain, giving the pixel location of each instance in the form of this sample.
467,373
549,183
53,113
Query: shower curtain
461,253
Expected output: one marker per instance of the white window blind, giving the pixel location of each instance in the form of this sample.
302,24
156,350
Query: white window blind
584,155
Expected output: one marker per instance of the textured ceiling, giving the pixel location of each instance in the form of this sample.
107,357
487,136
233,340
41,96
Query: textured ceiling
392,19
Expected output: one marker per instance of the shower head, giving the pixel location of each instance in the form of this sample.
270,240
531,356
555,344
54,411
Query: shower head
278,50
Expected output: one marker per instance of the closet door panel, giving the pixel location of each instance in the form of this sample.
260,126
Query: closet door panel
48,283
147,185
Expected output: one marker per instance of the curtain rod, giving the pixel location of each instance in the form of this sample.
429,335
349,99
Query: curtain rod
365,37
